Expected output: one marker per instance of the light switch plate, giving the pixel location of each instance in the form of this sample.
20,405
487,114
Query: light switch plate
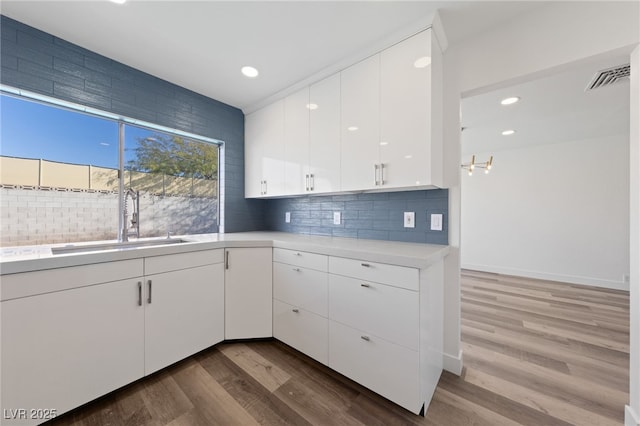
287,217
336,218
409,219
436,222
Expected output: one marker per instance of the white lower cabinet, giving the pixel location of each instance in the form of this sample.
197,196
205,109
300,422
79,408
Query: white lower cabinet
300,301
391,370
184,314
64,348
61,350
248,293
301,329
374,329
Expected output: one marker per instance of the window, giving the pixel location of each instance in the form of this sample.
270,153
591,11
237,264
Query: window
60,180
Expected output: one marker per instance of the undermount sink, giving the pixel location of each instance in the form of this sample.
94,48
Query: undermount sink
115,246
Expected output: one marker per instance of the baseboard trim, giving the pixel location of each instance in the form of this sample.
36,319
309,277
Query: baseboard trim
452,364
571,279
630,417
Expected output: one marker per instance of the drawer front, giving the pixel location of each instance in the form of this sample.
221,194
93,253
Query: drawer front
303,330
385,368
382,310
174,262
398,276
301,287
14,286
303,259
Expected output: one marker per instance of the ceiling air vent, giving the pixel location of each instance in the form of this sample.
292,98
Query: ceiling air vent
608,76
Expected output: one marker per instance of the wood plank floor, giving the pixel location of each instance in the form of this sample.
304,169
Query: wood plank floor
535,352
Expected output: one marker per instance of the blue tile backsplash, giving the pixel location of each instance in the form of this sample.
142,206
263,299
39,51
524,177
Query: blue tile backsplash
378,216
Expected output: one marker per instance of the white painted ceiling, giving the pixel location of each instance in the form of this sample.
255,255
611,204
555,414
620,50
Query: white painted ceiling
201,45
552,109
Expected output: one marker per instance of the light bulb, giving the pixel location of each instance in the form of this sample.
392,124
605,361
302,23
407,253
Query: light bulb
486,171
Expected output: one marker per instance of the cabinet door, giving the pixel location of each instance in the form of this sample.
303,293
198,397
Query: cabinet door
248,293
391,370
254,125
301,329
296,142
301,287
63,349
360,112
273,150
405,112
324,135
184,314
264,151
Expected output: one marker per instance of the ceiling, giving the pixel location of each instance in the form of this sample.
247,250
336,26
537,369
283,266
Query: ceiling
553,109
201,45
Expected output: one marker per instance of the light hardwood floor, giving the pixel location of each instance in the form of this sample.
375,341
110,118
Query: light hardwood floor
535,353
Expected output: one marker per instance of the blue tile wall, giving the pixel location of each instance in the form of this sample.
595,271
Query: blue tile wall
39,62
378,216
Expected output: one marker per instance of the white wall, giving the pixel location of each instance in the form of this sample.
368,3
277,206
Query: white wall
557,212
536,44
632,414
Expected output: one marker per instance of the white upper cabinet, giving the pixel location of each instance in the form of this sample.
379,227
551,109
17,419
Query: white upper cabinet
264,151
376,125
296,142
360,129
405,112
324,135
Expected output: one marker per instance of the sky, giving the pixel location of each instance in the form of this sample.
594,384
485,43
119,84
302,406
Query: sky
33,130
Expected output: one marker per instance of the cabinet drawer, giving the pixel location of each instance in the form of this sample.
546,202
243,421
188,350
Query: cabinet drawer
14,286
304,288
385,368
304,259
398,276
382,310
303,330
174,262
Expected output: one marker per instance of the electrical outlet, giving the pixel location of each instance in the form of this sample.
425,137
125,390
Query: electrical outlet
409,219
336,218
436,222
287,217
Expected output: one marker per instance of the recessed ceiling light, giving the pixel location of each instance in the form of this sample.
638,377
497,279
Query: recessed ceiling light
104,144
352,128
119,1
508,132
408,156
250,72
422,62
384,143
509,101
312,106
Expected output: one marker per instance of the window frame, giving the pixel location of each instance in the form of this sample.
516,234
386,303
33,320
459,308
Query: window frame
122,121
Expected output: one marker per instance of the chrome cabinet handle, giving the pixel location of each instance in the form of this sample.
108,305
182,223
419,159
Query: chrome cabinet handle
365,285
382,174
306,180
139,293
366,265
312,179
296,310
150,288
375,174
265,187
226,259
367,338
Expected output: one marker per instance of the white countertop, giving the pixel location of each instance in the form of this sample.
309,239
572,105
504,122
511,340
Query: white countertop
34,258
